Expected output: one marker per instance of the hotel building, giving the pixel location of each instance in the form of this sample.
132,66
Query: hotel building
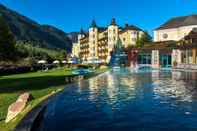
175,29
182,30
175,45
75,50
98,43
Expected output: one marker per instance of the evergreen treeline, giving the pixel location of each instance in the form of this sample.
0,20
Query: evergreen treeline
27,50
15,51
7,42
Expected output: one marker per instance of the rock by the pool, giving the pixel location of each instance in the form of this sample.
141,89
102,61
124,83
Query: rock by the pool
24,97
17,107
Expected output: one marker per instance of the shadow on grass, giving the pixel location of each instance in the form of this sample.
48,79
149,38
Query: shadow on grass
32,83
2,119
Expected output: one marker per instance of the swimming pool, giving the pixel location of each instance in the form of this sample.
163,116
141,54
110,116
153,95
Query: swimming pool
126,100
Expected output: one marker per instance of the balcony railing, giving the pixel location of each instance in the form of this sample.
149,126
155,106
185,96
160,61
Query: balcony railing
187,66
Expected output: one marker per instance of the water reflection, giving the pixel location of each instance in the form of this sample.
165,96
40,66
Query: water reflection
111,87
125,84
175,84
125,100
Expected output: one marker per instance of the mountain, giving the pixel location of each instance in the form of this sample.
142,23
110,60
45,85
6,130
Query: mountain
25,29
73,36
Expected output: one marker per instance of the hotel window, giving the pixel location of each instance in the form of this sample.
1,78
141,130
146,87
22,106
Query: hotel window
134,39
144,59
165,36
184,60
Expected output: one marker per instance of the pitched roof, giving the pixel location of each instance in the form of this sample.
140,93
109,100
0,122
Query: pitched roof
192,35
179,21
165,46
132,27
101,29
113,21
129,27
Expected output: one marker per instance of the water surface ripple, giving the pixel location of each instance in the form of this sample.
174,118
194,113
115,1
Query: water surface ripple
126,100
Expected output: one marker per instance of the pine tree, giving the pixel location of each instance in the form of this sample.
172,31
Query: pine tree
119,46
7,42
118,57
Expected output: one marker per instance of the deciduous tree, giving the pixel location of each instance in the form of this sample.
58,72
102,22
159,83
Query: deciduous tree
144,39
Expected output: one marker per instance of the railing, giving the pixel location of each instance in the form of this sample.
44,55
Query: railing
139,66
145,65
187,66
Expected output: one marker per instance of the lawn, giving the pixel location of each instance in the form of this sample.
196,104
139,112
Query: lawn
39,84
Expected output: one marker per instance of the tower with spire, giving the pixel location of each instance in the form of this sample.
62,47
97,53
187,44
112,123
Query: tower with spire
112,36
81,34
93,40
99,43
93,24
113,21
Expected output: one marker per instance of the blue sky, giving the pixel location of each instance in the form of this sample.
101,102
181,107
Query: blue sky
71,15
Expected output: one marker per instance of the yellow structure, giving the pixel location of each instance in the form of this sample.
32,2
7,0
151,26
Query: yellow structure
98,44
75,50
84,48
130,35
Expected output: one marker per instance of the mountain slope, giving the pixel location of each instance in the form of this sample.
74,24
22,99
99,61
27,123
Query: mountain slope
26,29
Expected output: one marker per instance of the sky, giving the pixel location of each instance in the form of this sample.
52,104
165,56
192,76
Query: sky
72,15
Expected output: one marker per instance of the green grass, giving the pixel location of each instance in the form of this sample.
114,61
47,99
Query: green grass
39,84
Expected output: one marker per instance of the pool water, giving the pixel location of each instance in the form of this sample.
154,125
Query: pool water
125,100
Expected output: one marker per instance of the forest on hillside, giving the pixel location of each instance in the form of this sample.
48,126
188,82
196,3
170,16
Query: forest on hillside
24,52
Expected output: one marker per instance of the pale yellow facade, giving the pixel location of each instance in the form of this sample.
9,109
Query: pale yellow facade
113,35
175,34
93,43
103,51
99,43
129,37
84,48
75,49
178,29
